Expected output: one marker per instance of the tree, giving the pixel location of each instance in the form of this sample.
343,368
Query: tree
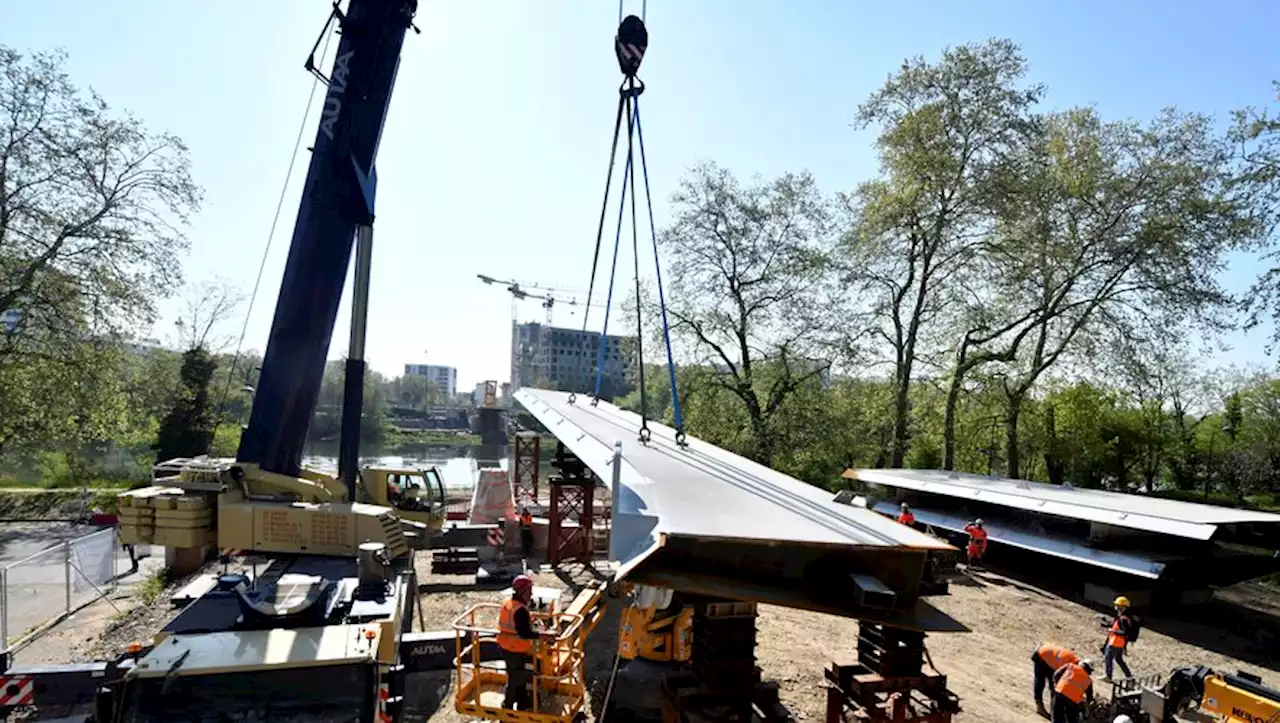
1119,222
1256,134
187,430
206,307
91,203
747,271
91,206
944,131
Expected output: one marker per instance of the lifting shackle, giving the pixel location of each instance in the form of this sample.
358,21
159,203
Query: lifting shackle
629,45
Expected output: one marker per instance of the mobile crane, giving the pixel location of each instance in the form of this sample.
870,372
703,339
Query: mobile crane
317,635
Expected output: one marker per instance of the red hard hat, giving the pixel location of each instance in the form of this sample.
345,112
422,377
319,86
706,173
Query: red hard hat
522,583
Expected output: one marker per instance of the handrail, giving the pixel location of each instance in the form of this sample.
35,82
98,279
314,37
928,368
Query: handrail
569,626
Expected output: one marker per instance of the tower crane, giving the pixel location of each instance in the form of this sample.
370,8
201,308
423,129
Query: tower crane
518,292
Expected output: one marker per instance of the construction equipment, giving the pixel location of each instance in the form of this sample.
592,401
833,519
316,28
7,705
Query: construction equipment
559,681
1216,696
316,634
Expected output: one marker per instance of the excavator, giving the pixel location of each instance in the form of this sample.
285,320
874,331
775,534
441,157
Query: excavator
319,627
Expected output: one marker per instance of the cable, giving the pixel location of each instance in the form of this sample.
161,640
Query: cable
262,265
635,253
617,242
662,301
595,261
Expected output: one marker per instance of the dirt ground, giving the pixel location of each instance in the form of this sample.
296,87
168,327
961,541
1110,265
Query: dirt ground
988,668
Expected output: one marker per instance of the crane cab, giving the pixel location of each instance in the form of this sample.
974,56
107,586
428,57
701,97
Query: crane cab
415,494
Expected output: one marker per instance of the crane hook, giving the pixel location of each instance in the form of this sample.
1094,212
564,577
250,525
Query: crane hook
629,45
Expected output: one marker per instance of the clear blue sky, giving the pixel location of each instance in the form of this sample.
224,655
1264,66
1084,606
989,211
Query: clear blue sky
492,159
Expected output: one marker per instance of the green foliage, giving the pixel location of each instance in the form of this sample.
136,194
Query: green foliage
188,429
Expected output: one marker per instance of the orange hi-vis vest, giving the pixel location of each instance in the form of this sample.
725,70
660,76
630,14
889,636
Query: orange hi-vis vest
526,520
508,639
1074,683
1056,657
1116,637
906,518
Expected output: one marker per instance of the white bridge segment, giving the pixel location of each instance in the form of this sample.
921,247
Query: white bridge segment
702,490
1130,563
1150,514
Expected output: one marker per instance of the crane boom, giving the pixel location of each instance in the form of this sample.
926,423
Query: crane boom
336,198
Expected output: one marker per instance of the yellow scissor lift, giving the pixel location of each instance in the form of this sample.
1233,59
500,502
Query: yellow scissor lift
559,683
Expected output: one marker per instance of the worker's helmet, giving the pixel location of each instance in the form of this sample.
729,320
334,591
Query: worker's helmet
522,583
978,522
1087,665
1122,602
1122,718
904,506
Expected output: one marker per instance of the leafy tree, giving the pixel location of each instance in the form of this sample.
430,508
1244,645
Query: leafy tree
188,429
747,274
945,128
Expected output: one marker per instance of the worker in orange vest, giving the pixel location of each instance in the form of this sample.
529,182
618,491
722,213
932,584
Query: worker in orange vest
1119,633
905,517
1072,686
517,638
526,533
977,541
1046,660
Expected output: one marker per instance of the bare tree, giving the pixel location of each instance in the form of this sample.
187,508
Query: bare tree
748,278
207,306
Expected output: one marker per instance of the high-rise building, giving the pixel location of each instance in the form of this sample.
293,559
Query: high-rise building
445,379
565,359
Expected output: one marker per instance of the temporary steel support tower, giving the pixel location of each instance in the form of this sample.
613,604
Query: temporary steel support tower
571,497
525,457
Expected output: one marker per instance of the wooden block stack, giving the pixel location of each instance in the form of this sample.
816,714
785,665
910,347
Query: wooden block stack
166,516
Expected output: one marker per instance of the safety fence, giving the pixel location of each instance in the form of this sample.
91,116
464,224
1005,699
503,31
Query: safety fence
51,584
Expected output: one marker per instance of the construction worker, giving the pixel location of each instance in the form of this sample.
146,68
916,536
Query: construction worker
517,638
1072,686
1119,632
905,517
526,533
1045,661
977,541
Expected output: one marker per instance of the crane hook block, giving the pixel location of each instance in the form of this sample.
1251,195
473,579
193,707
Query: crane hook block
629,45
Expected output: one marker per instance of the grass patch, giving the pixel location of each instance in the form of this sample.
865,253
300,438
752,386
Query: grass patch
429,438
150,589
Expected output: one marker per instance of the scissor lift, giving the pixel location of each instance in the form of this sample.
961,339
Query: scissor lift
559,683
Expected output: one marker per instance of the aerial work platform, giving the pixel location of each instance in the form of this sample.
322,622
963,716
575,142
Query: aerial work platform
702,520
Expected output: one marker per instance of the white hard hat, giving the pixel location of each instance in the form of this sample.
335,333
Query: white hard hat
1122,718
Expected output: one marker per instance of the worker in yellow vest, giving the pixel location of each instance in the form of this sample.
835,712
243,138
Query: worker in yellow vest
1072,686
517,639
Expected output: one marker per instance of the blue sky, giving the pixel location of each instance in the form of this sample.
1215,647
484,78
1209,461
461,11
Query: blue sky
493,156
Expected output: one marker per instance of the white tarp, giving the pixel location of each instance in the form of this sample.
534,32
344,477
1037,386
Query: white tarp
93,559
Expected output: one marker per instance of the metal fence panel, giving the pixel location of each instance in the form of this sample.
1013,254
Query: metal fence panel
56,581
36,591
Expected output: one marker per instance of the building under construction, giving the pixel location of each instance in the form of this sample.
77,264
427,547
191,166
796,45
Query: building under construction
552,357
1153,550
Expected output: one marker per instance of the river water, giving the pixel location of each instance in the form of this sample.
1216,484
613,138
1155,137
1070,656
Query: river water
459,466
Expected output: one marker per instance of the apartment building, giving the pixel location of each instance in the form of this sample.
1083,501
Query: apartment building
445,379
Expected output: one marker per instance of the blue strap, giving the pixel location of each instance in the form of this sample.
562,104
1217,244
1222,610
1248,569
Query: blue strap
657,267
617,241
